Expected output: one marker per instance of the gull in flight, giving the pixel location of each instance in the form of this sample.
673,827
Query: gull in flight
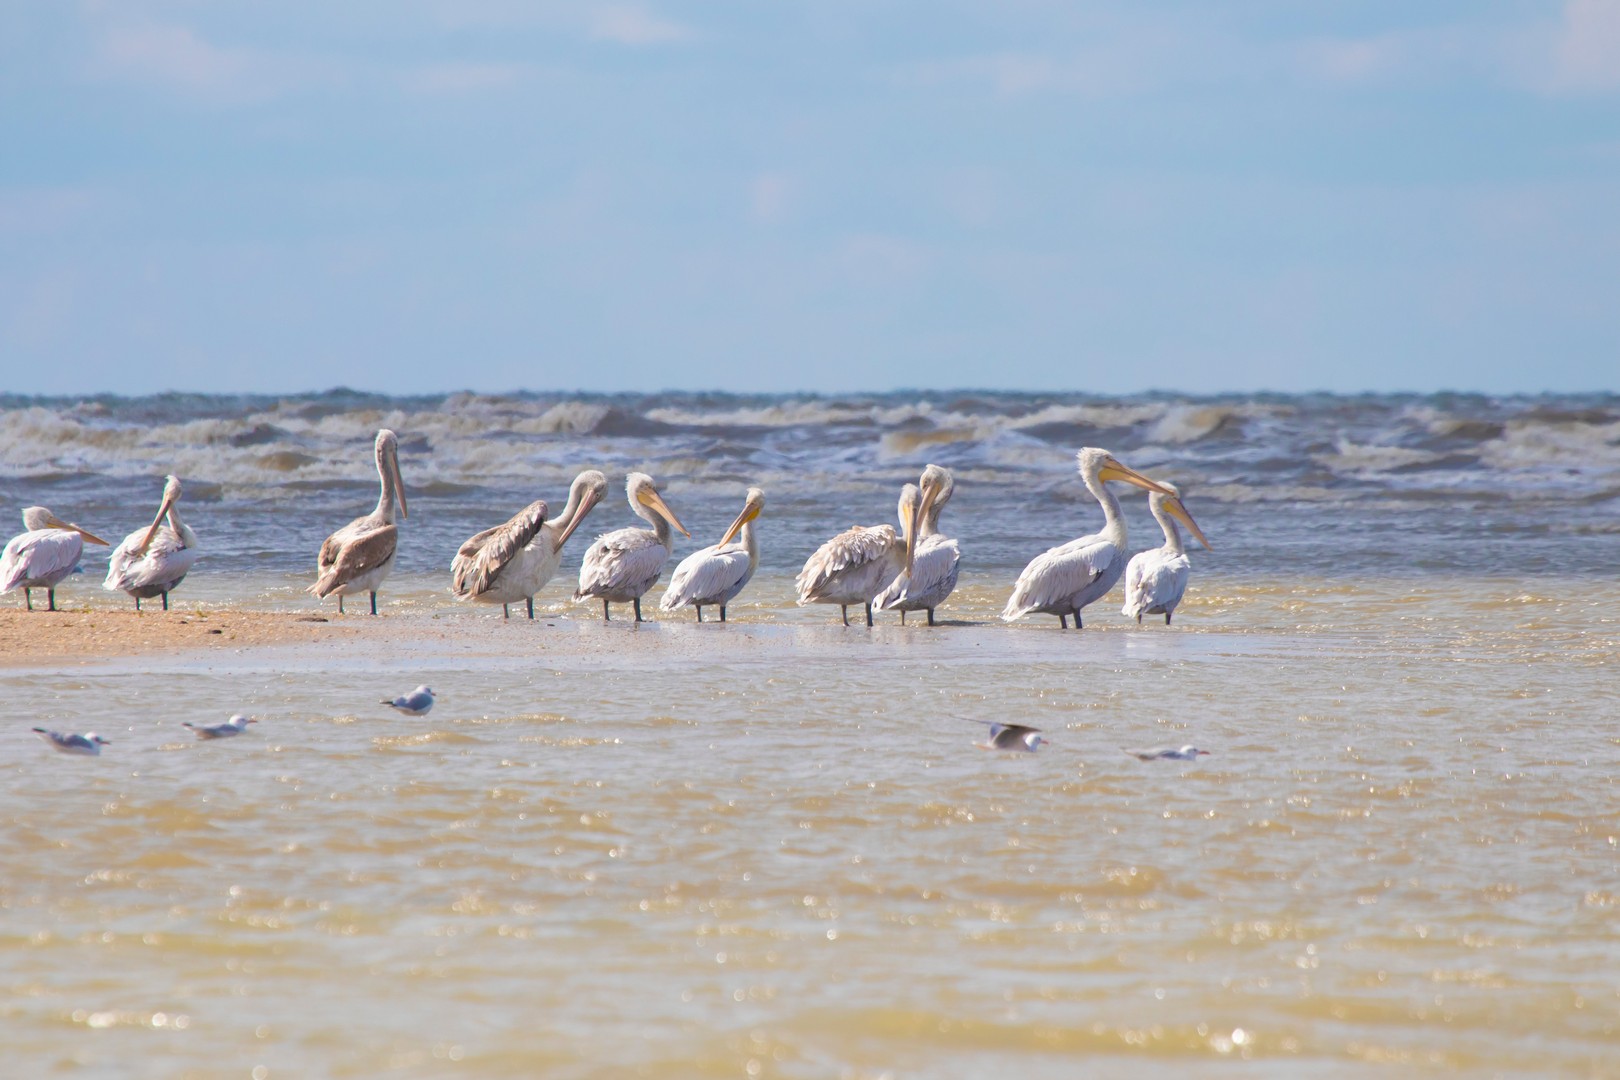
89,743
1017,737
1169,753
415,703
234,726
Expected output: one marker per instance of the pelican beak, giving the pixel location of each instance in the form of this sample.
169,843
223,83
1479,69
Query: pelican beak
592,497
54,522
399,482
1113,469
656,501
1176,510
919,514
750,512
146,541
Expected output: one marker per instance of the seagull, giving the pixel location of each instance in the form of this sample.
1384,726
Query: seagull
1017,737
234,726
89,743
1168,753
415,703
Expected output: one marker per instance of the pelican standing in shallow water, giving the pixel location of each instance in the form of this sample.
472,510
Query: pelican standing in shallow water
855,565
152,561
1064,579
1155,580
514,561
43,555
715,575
358,557
622,565
932,558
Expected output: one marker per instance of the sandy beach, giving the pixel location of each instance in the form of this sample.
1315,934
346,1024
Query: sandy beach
65,638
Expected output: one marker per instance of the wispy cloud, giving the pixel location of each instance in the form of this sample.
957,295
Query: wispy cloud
177,58
1586,56
635,26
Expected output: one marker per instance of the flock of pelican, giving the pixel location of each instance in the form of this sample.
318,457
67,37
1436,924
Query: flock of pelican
873,567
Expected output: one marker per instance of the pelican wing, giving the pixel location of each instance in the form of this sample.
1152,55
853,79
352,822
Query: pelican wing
1154,582
933,574
166,561
483,557
39,555
1056,575
705,576
853,547
354,555
621,559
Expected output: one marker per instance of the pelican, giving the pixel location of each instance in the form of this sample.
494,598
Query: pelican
715,575
855,565
152,561
931,557
1156,579
514,561
1064,579
42,556
358,557
623,564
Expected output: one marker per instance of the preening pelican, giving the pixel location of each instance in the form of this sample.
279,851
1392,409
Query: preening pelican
514,561
1155,580
715,575
622,565
152,561
359,556
930,572
853,566
43,555
1064,579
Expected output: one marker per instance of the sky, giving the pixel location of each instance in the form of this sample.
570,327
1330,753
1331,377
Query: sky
835,195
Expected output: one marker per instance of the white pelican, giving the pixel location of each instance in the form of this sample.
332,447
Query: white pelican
1064,579
1169,753
853,566
43,555
1155,580
359,556
152,561
622,565
715,575
931,557
1017,737
514,561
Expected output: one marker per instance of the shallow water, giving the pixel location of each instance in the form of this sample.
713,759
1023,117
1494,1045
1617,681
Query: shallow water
771,849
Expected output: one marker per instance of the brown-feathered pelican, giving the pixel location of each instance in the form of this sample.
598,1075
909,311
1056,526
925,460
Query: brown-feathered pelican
152,561
853,566
1064,579
715,575
359,556
512,562
932,558
41,556
1156,580
622,565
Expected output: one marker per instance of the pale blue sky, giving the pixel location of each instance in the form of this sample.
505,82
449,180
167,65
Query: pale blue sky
831,195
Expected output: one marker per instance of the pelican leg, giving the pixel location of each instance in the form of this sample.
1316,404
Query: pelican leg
1167,618
930,616
868,613
28,598
340,603
845,609
51,595
1078,625
637,603
1138,618
165,601
530,602
605,616
722,613
138,603
700,611
1063,620
506,611
374,601
902,616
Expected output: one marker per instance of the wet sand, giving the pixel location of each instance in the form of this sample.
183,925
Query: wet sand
34,639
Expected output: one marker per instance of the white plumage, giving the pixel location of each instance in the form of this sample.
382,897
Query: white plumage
1062,580
152,561
1156,580
43,555
360,556
933,558
855,565
512,562
715,575
622,565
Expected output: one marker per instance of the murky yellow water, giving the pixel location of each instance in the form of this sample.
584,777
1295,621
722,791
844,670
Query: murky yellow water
770,848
